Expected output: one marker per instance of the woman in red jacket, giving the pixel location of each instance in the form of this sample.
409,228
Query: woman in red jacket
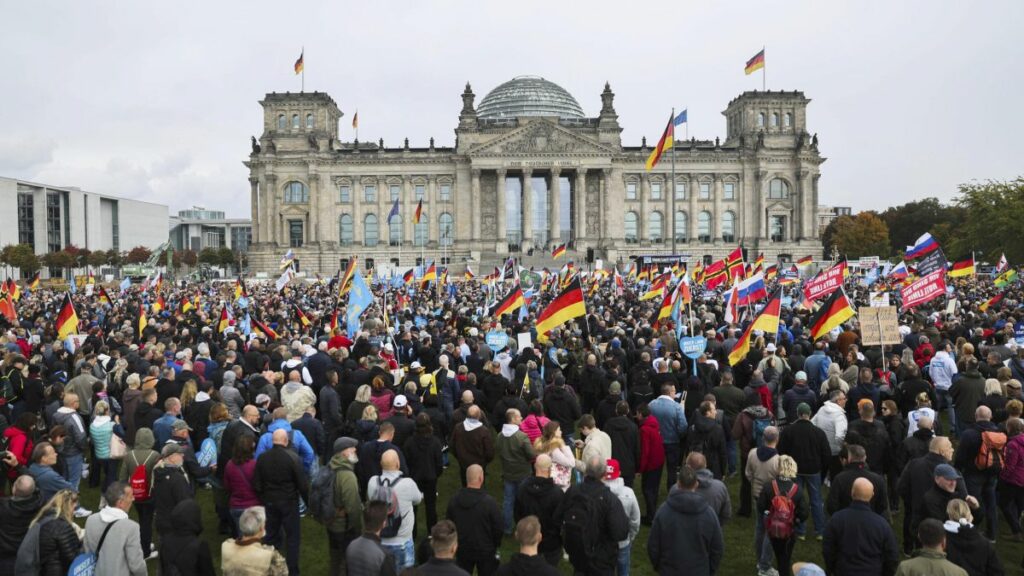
652,459
1011,477
18,439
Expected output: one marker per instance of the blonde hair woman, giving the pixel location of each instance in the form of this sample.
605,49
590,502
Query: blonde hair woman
362,400
188,394
366,426
784,485
60,539
562,460
102,430
965,545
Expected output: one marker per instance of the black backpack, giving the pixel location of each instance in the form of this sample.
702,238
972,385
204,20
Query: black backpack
321,496
386,493
580,527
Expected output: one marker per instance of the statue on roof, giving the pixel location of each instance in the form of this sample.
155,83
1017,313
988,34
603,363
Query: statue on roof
255,145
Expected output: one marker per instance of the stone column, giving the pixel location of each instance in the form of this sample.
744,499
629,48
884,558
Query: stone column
693,190
580,206
273,220
502,214
313,235
716,191
803,207
602,202
555,211
254,200
475,201
408,211
433,214
761,218
643,220
813,200
527,212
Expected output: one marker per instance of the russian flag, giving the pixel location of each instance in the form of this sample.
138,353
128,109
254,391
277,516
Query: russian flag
752,289
899,272
924,245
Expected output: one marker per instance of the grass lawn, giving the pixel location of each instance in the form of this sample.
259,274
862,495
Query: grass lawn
739,533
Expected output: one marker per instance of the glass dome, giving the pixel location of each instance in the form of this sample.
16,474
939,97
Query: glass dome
528,96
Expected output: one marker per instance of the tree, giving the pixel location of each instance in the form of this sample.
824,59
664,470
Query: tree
113,258
854,236
209,256
22,257
61,259
138,255
908,221
97,259
227,257
992,225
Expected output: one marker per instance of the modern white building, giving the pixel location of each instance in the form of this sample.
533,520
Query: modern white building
49,218
199,228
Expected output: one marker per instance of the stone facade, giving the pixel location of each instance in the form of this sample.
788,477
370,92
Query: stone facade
328,199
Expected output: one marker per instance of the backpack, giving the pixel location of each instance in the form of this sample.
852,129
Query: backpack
321,496
386,493
139,481
778,523
580,529
8,395
990,453
759,426
27,561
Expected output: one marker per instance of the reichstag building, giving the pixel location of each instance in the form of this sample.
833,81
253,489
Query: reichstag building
529,171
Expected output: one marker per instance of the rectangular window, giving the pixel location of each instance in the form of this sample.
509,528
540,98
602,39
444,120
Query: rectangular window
295,233
345,194
115,227
446,192
421,191
655,190
53,228
778,228
680,191
26,219
396,190
631,191
729,191
370,193
705,190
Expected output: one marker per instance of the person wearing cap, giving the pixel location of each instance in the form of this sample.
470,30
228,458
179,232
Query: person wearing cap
772,365
179,436
401,419
613,480
981,482
857,540
171,484
799,393
808,446
347,523
947,484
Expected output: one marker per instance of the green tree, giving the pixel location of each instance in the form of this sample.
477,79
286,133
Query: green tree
209,256
854,236
97,259
228,258
61,259
114,258
992,225
908,221
22,257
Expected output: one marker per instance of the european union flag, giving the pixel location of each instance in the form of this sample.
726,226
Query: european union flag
359,299
680,119
73,286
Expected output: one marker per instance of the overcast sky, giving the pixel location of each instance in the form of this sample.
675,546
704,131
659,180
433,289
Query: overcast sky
157,101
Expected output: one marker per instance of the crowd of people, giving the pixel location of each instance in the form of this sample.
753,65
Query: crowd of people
264,398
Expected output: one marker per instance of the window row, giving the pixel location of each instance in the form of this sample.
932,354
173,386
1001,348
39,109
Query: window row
763,119
656,227
298,193
296,124
703,190
396,230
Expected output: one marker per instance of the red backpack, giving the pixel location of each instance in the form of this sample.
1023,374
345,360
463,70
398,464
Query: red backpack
781,516
139,480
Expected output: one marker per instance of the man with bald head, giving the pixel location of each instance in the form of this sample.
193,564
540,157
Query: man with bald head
981,480
16,513
857,540
381,487
472,442
479,522
539,496
280,480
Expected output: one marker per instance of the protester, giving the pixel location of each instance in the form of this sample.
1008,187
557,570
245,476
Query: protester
58,540
593,522
183,549
280,480
426,464
390,486
479,521
119,535
16,515
782,505
247,555
552,444
366,555
528,561
713,490
965,545
540,497
685,537
857,540
613,480
931,559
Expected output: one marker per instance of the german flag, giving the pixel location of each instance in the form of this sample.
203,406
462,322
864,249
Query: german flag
141,322
833,312
104,297
158,282
767,321
657,287
418,216
270,334
160,304
240,290
984,306
34,283
409,276
67,320
566,306
759,261
185,305
963,268
754,64
468,274
558,252
301,316
429,276
804,262
333,324
667,304
346,278
510,303
643,274
771,272
698,272
298,63
664,145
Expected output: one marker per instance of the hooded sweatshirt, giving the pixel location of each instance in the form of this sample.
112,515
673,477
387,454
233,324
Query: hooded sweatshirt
480,522
831,418
516,453
182,547
540,497
685,537
346,497
142,454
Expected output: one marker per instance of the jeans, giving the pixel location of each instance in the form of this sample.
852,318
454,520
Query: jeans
762,543
746,490
429,490
485,565
673,457
624,555
236,515
651,481
74,465
508,505
109,469
404,555
810,484
946,400
284,517
983,487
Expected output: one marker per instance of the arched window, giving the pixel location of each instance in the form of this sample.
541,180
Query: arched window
309,121
728,226
680,224
778,188
346,230
395,230
787,120
654,229
760,120
631,224
704,226
296,193
371,233
775,119
446,226
295,121
282,122
421,231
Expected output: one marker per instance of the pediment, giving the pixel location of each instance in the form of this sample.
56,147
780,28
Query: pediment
779,206
540,137
294,210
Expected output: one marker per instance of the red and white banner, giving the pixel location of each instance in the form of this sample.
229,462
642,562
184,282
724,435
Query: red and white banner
826,283
924,289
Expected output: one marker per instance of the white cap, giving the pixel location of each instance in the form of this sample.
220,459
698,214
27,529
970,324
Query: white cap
770,347
415,365
401,401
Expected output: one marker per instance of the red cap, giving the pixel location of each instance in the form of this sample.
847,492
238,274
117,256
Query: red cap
612,471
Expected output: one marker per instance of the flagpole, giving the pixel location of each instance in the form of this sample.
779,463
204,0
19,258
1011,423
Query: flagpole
303,89
672,190
764,69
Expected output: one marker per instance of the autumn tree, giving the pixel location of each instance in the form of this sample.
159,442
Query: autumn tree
854,236
138,255
97,258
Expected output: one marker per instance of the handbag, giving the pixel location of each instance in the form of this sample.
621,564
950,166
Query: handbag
117,447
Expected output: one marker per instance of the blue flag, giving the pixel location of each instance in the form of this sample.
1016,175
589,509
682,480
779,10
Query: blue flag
359,299
394,212
73,286
126,284
680,119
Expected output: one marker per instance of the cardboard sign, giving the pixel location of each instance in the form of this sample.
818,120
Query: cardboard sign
879,325
826,283
925,289
524,340
879,299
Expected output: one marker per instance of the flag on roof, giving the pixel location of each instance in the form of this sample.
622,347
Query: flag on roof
754,64
664,145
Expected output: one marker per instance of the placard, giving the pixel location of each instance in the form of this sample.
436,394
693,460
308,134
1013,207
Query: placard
826,283
879,299
879,325
693,346
496,340
925,289
524,340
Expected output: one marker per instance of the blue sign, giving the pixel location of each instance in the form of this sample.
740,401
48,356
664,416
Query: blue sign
693,346
420,321
496,340
1018,332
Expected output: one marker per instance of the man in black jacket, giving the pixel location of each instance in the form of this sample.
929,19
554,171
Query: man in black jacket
279,480
16,513
707,437
539,496
561,405
913,484
170,486
480,525
858,541
981,482
529,561
808,446
686,536
855,467
625,437
608,515
246,425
